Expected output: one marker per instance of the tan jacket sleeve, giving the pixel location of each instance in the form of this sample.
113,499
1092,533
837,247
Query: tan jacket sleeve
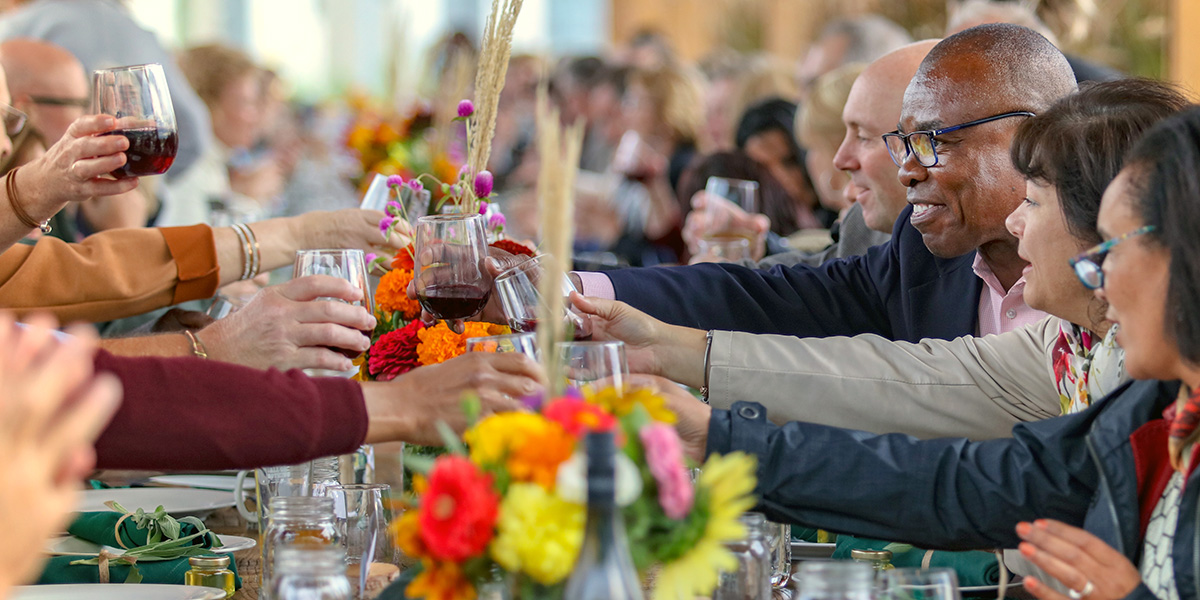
968,387
110,275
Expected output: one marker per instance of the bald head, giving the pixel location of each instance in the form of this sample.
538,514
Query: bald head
43,80
999,62
887,78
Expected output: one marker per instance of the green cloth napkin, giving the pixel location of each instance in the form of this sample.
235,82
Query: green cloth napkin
974,568
97,527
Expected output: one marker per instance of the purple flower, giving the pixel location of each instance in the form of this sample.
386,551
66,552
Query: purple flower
415,185
393,207
463,172
483,206
533,401
385,224
370,257
483,184
455,191
466,109
395,181
496,221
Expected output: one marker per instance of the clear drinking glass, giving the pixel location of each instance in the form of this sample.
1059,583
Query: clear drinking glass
294,520
362,514
779,541
451,281
739,192
306,572
752,579
722,249
920,584
586,364
519,298
343,264
138,97
834,580
525,343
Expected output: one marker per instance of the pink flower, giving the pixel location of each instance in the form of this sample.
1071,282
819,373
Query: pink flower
455,191
497,221
370,258
664,456
415,185
463,172
466,108
385,224
393,207
483,207
483,184
395,181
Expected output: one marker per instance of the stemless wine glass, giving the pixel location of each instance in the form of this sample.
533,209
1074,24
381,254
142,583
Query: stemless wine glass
343,264
525,343
739,192
138,97
920,584
586,364
519,298
834,580
451,281
361,514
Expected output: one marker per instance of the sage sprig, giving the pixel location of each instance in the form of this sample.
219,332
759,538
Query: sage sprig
164,539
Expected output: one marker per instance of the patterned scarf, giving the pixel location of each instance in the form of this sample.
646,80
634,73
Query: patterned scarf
1084,368
1184,416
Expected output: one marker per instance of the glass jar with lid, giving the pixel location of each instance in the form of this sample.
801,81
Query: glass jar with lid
211,571
752,578
293,520
309,572
880,560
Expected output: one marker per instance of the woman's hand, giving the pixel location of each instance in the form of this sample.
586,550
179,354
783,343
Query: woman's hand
693,414
1078,559
651,346
52,409
75,168
283,327
348,228
712,213
409,407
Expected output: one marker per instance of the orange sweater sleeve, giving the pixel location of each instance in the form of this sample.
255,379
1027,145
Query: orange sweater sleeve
110,275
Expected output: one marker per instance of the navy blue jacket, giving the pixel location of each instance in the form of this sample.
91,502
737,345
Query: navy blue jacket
898,290
956,494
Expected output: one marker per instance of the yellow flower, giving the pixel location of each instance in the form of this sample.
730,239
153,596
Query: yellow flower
529,446
621,403
728,483
538,533
441,581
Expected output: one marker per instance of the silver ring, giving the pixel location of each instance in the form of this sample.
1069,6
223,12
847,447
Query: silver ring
1087,590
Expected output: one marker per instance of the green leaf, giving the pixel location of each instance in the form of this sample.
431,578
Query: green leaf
453,443
419,464
898,548
135,576
472,407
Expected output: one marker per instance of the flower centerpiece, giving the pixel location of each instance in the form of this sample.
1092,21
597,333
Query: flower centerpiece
512,500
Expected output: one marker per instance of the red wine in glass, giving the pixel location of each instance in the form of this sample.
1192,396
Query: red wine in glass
151,151
530,325
453,300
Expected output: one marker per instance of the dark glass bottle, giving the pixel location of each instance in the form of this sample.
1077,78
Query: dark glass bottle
604,570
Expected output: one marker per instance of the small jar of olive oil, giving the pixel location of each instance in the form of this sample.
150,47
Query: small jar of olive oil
210,571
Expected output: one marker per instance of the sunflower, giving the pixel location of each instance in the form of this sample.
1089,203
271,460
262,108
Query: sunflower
621,402
728,484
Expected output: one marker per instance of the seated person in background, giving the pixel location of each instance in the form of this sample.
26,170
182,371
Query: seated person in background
231,86
766,134
820,130
48,84
52,409
692,194
843,41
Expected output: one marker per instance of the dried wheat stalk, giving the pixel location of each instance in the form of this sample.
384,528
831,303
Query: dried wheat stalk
489,81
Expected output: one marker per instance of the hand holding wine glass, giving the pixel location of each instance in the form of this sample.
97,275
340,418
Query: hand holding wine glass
138,98
451,282
342,264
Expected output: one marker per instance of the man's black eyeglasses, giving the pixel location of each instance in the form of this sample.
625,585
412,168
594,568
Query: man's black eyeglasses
923,144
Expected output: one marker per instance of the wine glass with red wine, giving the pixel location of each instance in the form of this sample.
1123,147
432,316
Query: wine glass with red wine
343,264
451,281
519,298
138,97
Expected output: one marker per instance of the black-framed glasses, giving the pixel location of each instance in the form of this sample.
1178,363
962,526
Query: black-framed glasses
14,120
923,144
1088,266
84,103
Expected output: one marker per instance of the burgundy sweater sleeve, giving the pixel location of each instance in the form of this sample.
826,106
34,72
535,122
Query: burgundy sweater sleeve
191,413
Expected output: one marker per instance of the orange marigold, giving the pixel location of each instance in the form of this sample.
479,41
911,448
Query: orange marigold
441,581
392,295
404,258
440,344
407,532
536,459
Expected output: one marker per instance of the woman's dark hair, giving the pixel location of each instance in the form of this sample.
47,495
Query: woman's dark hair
775,114
774,199
1165,170
1079,144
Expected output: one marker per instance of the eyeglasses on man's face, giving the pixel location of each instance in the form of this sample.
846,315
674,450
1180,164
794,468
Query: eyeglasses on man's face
923,143
14,120
84,103
1089,265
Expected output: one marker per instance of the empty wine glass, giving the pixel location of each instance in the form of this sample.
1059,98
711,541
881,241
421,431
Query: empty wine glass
525,343
517,288
740,193
586,364
138,97
920,584
361,514
451,280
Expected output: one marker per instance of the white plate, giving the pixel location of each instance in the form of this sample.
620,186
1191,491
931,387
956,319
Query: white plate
204,482
70,545
179,502
109,591
1015,582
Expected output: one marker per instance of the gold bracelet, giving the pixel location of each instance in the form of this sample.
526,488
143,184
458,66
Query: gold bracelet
197,346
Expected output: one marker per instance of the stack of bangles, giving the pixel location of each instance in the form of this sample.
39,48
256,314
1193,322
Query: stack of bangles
250,256
10,187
